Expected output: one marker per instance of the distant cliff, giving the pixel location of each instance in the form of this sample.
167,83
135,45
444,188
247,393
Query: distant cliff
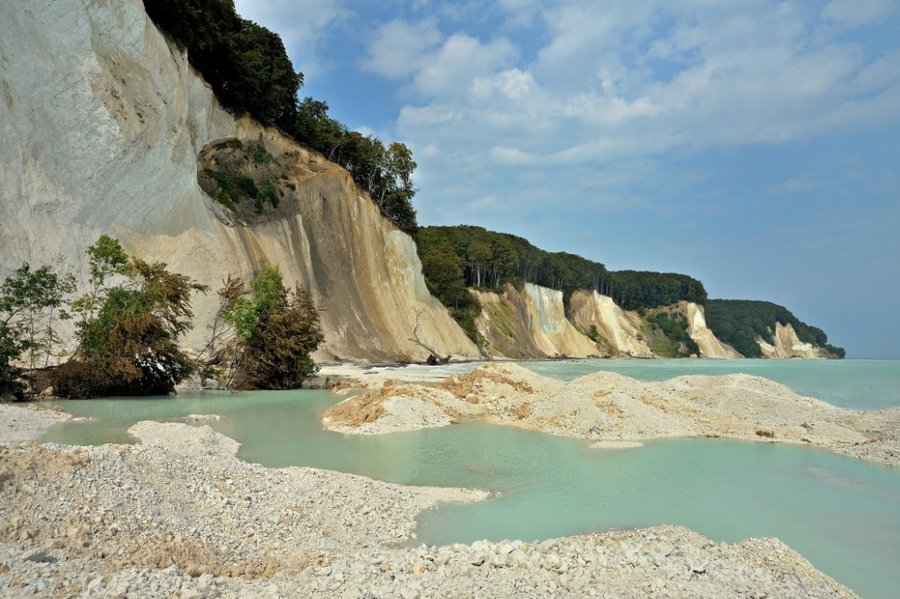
533,323
102,122
762,329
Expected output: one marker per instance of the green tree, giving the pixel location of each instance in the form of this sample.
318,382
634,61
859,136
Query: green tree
128,334
29,301
106,258
245,63
263,338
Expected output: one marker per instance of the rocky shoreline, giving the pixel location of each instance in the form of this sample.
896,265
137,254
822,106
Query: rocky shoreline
180,515
611,410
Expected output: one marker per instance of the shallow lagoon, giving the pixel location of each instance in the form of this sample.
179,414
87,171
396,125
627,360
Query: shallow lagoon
842,514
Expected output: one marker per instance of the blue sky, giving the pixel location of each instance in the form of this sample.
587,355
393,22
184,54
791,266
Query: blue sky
752,144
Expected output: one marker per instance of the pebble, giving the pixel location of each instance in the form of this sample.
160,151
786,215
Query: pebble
165,538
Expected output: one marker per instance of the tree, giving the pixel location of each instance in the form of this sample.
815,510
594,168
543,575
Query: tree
245,63
128,334
263,338
106,258
29,300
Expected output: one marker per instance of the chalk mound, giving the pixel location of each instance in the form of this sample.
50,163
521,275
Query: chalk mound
606,407
181,438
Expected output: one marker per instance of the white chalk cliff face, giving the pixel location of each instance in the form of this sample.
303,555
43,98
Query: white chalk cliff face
529,324
788,345
101,124
620,330
532,324
710,345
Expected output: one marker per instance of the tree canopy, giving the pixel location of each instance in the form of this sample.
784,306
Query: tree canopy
262,337
128,332
245,63
633,290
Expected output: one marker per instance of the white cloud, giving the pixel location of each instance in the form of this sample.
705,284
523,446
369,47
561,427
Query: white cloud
451,70
856,13
400,48
512,84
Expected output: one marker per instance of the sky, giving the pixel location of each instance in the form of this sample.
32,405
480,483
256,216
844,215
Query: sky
752,144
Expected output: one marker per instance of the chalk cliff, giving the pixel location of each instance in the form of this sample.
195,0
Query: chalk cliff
101,123
788,345
710,346
619,331
530,323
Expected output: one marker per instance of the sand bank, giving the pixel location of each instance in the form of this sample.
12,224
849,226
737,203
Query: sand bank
608,407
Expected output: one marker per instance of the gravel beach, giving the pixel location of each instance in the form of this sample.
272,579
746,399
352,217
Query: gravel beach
178,515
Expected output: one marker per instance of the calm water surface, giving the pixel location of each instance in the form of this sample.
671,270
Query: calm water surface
841,514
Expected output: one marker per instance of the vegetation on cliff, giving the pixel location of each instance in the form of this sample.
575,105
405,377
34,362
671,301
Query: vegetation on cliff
250,72
668,334
740,322
635,290
454,258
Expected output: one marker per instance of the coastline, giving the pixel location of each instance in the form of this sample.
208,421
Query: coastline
180,514
605,407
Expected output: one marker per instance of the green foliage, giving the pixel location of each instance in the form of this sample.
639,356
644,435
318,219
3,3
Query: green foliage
267,192
128,333
236,189
636,290
489,259
259,153
29,302
385,172
674,328
245,64
267,338
740,322
444,278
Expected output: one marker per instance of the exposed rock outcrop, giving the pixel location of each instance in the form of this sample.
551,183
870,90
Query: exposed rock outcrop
530,324
710,345
101,123
619,330
788,345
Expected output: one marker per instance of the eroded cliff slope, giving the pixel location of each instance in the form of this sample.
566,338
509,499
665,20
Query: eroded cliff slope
788,345
530,323
620,332
101,124
710,345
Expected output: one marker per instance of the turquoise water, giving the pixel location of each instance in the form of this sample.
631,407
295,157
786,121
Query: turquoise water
841,514
857,384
